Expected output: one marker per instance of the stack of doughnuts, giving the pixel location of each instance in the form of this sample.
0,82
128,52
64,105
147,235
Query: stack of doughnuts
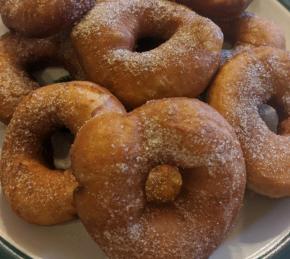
153,171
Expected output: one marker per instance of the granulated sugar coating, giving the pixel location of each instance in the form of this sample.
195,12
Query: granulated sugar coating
36,192
42,18
182,65
112,157
18,54
246,82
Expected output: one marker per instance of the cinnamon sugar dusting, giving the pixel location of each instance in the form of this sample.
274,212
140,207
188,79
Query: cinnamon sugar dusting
262,74
105,40
163,184
37,193
17,54
43,17
180,132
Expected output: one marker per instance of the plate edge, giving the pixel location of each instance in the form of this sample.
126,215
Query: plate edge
9,251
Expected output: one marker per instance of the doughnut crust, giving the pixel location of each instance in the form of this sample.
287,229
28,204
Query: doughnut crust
36,192
249,80
182,66
17,54
42,18
112,157
248,31
217,8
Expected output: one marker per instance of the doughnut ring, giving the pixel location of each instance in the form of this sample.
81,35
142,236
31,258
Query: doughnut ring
217,9
183,65
285,127
248,31
164,181
42,18
249,80
17,54
37,192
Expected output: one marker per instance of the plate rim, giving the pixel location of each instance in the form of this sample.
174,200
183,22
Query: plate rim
9,251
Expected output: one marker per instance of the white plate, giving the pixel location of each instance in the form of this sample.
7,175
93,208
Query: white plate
263,226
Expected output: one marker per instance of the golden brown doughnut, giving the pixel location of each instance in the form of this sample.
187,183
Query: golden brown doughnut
163,184
114,158
36,192
248,31
217,8
182,66
17,54
246,82
285,127
42,18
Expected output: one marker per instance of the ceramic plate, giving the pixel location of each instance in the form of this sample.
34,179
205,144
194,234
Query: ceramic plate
262,229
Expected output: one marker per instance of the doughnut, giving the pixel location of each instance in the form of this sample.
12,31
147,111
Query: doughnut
248,81
217,9
42,18
285,127
140,55
163,184
164,181
248,31
36,191
17,57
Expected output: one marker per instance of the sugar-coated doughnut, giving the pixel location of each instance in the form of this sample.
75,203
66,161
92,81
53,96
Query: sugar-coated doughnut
42,18
248,31
18,54
249,80
285,127
37,192
181,144
217,8
182,65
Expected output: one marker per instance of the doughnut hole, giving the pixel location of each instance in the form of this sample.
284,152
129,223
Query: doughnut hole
148,43
228,45
230,36
270,116
56,149
275,116
45,73
163,184
228,48
153,35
